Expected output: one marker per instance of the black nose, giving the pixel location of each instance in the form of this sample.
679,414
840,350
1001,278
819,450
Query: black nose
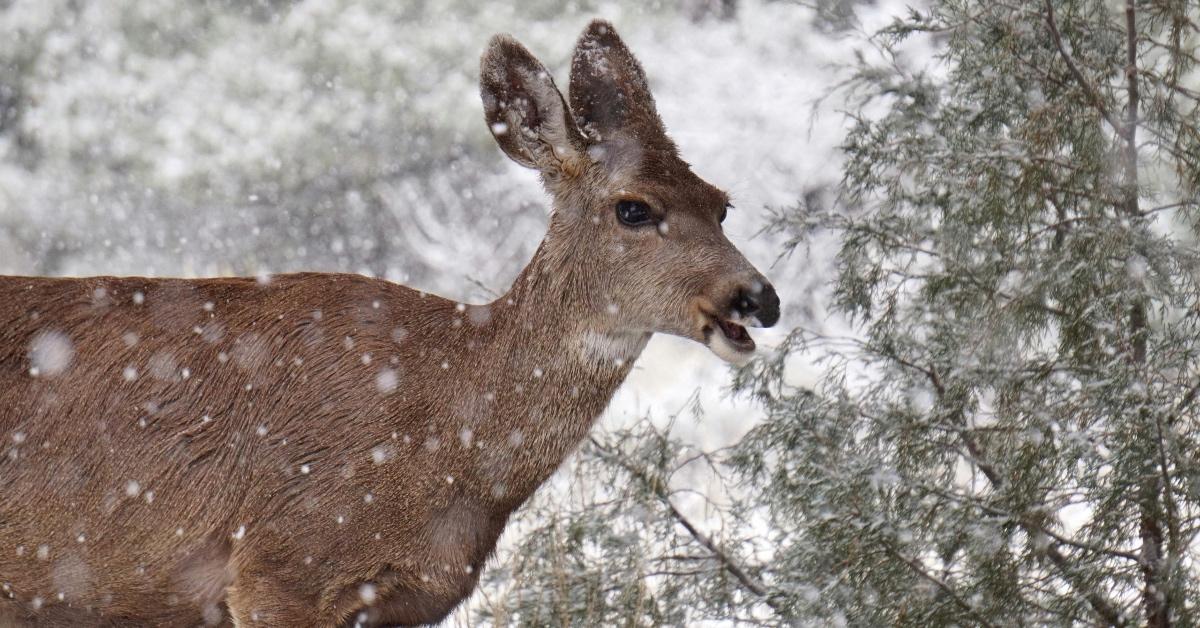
761,302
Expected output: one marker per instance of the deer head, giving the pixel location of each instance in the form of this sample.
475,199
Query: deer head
636,231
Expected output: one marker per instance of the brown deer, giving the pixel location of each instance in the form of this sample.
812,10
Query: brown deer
334,450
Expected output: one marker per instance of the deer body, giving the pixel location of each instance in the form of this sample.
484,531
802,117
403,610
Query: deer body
327,449
377,438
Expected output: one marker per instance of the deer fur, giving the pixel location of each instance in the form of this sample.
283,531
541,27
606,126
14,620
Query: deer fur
329,449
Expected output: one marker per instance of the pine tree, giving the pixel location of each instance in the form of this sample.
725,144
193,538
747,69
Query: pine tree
1012,439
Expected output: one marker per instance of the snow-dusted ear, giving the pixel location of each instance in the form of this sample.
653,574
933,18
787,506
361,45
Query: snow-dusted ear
527,114
609,93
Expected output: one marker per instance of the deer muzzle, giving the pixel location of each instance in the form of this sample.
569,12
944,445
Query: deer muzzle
755,304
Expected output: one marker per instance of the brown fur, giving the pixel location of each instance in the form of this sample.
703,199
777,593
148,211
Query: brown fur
320,449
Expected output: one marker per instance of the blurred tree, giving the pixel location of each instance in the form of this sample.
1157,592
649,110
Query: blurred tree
241,137
226,136
1011,437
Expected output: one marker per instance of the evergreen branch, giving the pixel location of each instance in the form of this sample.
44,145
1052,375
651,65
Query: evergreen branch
1160,208
1086,85
1186,402
1173,49
1103,608
1163,141
1027,523
916,568
659,489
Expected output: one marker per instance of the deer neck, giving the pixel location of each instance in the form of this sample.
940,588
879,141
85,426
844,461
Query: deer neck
556,360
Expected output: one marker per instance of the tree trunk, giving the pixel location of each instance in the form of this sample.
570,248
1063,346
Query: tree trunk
1155,590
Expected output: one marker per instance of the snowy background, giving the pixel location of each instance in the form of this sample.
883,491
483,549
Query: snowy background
173,138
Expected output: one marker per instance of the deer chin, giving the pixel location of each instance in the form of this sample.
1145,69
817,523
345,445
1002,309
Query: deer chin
728,340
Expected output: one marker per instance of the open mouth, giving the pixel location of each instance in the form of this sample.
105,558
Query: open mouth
735,334
729,340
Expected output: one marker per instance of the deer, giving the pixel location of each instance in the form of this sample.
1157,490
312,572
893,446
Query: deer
324,449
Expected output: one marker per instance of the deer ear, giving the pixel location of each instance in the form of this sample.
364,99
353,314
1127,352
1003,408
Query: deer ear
609,92
526,113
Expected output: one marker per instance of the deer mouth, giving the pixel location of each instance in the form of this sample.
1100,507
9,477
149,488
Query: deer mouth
729,340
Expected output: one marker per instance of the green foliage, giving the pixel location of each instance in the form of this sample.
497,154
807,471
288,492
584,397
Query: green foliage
622,553
1021,410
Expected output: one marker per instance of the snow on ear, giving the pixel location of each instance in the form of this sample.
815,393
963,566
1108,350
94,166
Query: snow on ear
526,113
609,93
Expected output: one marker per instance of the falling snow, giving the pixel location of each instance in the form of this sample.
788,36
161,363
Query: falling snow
50,353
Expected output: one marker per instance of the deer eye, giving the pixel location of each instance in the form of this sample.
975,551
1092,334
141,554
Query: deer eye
634,213
724,212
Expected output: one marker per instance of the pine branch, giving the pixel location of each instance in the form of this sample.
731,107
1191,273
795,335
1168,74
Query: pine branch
1103,608
945,588
1092,93
1186,402
659,489
1028,523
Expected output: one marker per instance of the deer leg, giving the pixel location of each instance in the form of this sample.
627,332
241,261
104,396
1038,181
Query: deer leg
256,600
408,607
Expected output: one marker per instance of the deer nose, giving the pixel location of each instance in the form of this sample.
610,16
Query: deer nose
760,302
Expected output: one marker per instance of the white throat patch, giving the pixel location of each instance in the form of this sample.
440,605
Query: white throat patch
611,347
